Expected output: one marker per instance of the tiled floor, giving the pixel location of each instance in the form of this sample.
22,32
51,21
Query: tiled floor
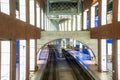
94,70
38,74
92,67
64,71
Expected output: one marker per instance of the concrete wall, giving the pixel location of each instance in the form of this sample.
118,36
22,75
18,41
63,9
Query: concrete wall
82,36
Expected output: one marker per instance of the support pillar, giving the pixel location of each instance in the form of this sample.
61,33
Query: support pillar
99,12
99,40
99,55
27,12
115,44
72,23
35,21
41,19
27,42
75,23
36,55
13,59
13,8
27,59
90,17
0,59
114,60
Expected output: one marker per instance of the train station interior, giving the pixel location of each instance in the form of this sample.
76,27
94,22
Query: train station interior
59,39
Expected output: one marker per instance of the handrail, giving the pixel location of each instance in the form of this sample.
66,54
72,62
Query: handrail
87,68
82,69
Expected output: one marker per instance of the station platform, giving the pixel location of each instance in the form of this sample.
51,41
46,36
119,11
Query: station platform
93,69
37,75
90,65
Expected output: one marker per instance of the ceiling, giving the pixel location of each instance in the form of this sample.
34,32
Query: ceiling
57,8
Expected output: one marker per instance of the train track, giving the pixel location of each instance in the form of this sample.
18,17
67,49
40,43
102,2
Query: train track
65,68
50,70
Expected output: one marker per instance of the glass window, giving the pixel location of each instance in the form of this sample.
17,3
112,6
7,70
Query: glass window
79,22
109,54
17,9
22,59
5,60
94,15
74,23
103,55
41,19
48,24
109,11
5,6
17,60
103,15
45,22
38,15
32,54
69,25
118,10
23,10
88,19
62,26
85,20
32,14
118,59
65,25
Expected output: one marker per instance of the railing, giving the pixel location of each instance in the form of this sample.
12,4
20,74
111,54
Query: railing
82,70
